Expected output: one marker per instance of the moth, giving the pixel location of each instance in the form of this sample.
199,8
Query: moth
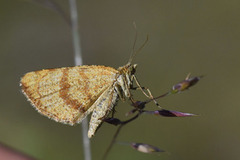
69,94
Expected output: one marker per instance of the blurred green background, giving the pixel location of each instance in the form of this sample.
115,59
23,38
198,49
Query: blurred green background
201,37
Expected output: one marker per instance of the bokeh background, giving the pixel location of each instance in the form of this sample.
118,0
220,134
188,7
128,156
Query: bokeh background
201,37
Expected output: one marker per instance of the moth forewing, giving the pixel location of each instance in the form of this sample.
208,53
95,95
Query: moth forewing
69,94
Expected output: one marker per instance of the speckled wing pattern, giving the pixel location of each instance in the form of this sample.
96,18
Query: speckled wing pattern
68,94
101,108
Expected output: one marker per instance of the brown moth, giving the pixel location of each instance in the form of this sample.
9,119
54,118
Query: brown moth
69,94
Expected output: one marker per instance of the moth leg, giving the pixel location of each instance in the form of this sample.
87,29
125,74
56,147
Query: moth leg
140,87
149,95
119,92
156,103
135,88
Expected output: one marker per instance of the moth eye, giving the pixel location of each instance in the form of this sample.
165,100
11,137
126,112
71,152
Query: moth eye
133,71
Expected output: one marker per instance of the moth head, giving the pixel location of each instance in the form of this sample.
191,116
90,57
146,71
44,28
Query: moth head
128,69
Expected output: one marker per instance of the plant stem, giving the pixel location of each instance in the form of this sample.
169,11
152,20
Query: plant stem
117,133
78,61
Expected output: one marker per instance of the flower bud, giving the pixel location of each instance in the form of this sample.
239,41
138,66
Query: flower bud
185,84
145,148
168,113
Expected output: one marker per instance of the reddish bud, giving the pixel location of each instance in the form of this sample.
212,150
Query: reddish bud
167,113
185,84
145,148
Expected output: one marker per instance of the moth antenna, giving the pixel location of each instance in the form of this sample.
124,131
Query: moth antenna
134,43
139,49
